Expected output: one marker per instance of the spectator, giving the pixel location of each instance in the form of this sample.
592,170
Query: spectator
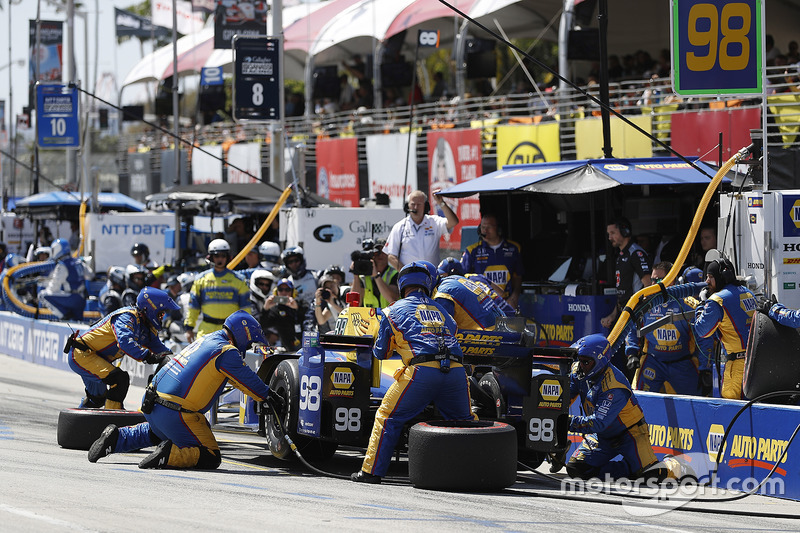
416,237
793,55
379,288
327,304
283,312
706,241
771,51
65,291
237,236
303,280
439,86
632,266
346,93
216,294
728,310
498,259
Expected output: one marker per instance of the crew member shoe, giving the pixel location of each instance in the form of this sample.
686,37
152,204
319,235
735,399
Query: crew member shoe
364,477
678,468
159,458
105,444
558,460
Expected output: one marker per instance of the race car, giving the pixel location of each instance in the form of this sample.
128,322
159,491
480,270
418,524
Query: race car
333,386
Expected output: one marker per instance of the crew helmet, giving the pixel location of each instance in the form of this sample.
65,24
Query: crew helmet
117,275
594,347
155,303
245,330
261,274
270,252
42,250
60,248
140,248
219,246
186,280
419,274
13,260
449,266
693,275
131,271
294,252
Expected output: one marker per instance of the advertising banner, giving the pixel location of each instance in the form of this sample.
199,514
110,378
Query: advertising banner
386,163
188,21
329,235
206,168
247,157
132,25
696,133
110,236
454,157
518,145
140,176
47,59
245,19
337,171
626,141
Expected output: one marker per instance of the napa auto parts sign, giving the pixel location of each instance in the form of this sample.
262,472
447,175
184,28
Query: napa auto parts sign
455,157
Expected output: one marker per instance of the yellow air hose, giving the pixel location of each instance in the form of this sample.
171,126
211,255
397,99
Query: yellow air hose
263,229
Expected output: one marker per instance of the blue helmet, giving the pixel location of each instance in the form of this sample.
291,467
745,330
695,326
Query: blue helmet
59,248
594,347
13,260
245,330
417,274
294,252
451,265
155,303
693,275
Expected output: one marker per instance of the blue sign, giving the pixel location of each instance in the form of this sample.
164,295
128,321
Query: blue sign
716,47
57,123
211,76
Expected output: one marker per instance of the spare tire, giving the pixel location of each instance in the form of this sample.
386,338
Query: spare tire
462,455
772,360
79,428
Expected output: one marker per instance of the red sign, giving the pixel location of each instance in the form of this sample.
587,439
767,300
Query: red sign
337,171
454,157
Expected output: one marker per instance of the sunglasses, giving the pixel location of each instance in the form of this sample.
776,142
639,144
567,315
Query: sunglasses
263,284
284,289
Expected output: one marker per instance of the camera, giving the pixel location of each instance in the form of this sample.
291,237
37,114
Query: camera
362,262
325,294
282,300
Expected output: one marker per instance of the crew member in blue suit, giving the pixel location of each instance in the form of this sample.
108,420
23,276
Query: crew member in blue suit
669,358
501,303
65,292
423,334
783,315
728,311
131,331
614,423
467,301
182,391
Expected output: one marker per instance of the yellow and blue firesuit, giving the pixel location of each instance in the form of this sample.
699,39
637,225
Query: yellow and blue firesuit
468,302
123,332
190,384
418,330
672,357
780,314
729,313
217,296
497,264
613,425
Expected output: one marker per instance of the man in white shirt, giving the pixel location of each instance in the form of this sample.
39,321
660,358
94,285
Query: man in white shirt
416,237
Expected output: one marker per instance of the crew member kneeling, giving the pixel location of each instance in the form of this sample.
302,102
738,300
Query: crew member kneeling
131,331
423,334
181,392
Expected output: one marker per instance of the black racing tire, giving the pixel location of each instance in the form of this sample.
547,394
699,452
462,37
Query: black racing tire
772,361
462,456
489,384
285,380
79,428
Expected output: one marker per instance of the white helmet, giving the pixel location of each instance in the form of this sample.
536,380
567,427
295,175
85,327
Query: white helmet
270,252
257,275
218,246
186,279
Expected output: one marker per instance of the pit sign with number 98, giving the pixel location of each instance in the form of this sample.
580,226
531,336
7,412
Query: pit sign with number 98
541,429
716,46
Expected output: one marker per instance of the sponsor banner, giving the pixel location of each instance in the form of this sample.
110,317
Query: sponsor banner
48,59
455,157
245,19
205,168
337,171
329,235
627,141
696,133
204,6
517,145
565,319
386,164
110,236
140,176
246,156
188,21
132,25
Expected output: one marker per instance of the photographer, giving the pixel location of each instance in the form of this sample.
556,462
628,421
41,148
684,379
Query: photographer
279,309
374,279
327,304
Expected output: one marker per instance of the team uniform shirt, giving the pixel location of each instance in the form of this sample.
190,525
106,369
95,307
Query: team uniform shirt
217,296
614,424
66,278
123,332
467,302
632,265
786,317
499,300
420,242
497,263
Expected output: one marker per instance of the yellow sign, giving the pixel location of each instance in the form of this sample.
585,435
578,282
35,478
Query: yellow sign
342,377
626,141
713,441
517,145
550,390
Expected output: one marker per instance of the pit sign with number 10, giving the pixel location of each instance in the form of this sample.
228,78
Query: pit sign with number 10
717,46
57,123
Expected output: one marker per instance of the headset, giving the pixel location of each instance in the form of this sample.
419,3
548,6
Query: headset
727,272
624,226
497,225
407,211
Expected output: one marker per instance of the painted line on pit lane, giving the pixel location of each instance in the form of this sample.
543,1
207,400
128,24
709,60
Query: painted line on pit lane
43,518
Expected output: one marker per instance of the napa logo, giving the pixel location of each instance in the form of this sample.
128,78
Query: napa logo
748,303
713,442
525,153
550,390
429,317
615,167
667,335
755,201
342,377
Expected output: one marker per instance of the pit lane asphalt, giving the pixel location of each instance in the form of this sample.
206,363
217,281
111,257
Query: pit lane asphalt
46,488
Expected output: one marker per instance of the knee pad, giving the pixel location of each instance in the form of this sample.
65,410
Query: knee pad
209,459
118,382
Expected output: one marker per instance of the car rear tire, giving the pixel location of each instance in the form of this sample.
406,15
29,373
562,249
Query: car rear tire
772,361
466,456
286,382
79,428
489,384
